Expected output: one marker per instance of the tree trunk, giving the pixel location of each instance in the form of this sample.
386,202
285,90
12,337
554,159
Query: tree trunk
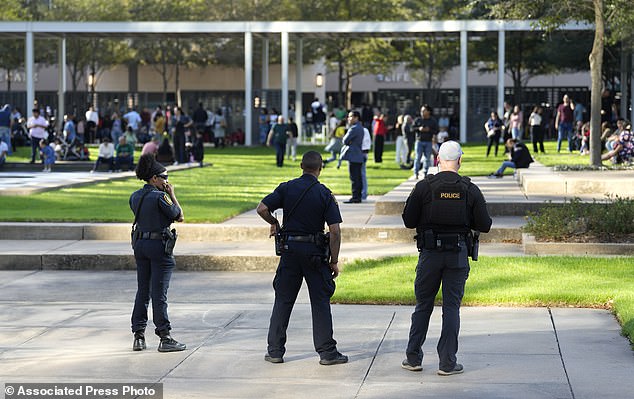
8,80
596,63
348,90
340,88
178,85
177,73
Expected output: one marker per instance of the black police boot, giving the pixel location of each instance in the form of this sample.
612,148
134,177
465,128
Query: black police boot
169,344
139,341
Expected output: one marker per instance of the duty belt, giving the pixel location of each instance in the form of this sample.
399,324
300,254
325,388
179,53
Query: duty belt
301,238
150,235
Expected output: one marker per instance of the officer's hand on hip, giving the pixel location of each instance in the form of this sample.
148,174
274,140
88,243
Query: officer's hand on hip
273,229
334,267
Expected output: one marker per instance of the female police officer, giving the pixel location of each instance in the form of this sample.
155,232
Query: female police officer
155,207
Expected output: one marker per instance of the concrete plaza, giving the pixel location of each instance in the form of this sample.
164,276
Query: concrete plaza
72,326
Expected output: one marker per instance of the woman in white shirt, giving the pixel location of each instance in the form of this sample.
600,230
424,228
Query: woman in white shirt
106,154
537,131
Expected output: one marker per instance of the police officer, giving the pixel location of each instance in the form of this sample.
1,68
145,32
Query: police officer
307,204
155,207
443,208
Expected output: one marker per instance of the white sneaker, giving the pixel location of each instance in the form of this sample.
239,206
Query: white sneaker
175,163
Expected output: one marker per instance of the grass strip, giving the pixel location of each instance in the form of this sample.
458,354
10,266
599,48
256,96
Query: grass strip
588,282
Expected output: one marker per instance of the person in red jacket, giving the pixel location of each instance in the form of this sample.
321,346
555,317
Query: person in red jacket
380,131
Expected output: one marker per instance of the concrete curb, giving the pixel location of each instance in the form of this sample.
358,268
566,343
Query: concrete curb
218,232
534,247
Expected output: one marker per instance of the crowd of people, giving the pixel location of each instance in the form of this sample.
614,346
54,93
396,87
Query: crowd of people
570,122
175,136
172,135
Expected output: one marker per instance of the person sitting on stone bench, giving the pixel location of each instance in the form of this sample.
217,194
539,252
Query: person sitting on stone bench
125,154
519,158
623,147
106,155
4,151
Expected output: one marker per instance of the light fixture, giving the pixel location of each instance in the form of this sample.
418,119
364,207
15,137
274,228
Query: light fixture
319,80
256,102
91,80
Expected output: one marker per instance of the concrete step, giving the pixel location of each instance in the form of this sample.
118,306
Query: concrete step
502,208
379,229
190,256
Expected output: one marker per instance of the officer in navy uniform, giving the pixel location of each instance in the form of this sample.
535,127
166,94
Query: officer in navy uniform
444,208
307,204
155,207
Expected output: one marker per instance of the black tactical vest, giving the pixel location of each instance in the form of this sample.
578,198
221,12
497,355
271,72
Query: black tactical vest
448,210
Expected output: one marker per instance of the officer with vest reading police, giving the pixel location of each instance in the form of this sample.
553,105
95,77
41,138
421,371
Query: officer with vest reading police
306,253
444,208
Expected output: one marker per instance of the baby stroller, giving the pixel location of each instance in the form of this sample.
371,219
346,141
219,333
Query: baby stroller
73,151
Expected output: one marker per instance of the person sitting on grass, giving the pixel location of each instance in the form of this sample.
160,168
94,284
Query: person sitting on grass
125,154
623,147
519,158
152,146
48,155
165,153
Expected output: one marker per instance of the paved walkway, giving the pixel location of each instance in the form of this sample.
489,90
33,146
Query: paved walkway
70,326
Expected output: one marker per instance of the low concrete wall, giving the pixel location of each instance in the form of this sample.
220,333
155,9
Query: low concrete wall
542,181
41,231
216,232
395,207
533,247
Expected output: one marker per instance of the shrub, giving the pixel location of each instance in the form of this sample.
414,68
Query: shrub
601,221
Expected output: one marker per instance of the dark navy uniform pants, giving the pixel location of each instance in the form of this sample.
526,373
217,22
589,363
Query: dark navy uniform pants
153,270
287,282
434,267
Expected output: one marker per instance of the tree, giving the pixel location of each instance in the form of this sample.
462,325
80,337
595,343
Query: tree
615,15
529,54
167,55
90,55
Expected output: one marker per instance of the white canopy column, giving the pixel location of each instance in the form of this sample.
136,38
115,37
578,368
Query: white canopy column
248,88
501,61
632,87
284,79
464,88
265,64
61,88
299,64
30,86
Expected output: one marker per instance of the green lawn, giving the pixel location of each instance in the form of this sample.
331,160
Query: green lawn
505,281
238,180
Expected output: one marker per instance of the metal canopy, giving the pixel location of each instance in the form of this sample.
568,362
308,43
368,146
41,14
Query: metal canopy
304,29
285,31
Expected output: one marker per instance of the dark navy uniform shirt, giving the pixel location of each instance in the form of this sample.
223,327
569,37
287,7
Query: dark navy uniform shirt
417,212
157,211
318,205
